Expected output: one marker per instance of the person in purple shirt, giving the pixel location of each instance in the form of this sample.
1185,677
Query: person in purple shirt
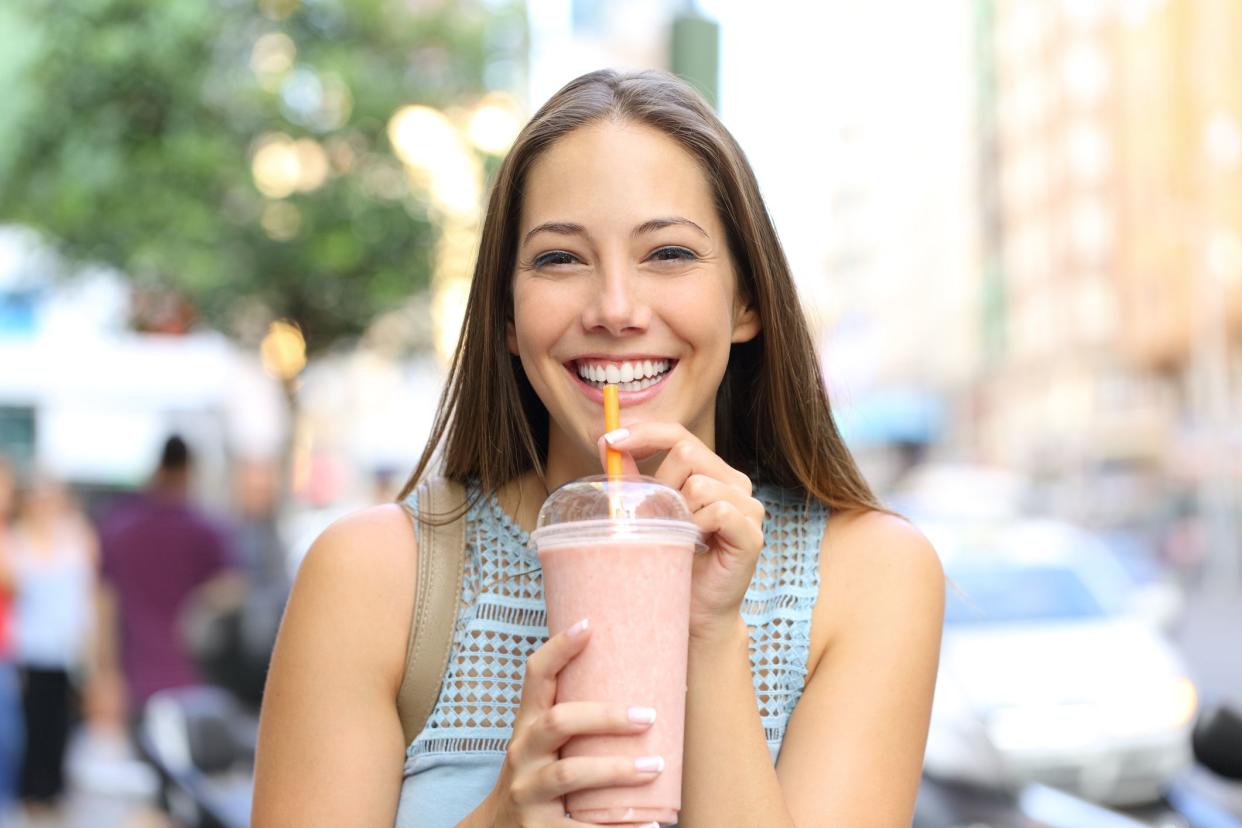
160,557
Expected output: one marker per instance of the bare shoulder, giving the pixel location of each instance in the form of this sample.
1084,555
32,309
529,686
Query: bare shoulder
875,568
873,545
329,734
875,637
361,570
381,537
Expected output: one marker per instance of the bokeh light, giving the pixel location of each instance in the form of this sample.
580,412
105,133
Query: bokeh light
283,350
273,54
422,137
494,124
281,166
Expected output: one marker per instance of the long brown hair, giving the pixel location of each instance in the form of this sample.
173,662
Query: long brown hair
773,420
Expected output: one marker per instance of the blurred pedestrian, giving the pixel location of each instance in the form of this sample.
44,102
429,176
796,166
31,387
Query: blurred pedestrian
233,649
11,727
160,556
53,554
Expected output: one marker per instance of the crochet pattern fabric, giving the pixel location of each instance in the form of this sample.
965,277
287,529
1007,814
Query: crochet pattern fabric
500,622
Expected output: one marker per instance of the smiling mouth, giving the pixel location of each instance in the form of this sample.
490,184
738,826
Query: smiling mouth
627,375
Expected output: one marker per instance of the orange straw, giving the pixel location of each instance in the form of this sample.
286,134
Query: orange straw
612,421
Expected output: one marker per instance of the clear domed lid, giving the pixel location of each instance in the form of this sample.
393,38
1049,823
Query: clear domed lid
601,507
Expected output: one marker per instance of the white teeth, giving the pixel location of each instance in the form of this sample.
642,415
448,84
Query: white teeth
629,376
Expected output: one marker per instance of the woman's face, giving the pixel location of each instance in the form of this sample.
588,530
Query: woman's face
623,274
45,500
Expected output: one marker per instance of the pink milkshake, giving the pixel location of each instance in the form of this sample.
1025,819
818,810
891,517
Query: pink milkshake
620,552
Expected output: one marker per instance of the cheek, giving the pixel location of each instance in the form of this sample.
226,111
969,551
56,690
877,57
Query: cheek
540,319
701,313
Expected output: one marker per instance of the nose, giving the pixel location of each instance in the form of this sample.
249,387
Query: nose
618,306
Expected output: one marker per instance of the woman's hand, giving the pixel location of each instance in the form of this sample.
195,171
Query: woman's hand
720,501
533,779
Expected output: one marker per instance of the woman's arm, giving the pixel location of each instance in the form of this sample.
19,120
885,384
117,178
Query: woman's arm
852,753
330,747
727,777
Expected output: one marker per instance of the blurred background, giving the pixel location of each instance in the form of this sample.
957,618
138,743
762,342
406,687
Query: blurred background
1016,227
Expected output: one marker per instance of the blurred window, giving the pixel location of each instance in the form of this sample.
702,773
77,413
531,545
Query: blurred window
587,16
17,434
988,594
17,313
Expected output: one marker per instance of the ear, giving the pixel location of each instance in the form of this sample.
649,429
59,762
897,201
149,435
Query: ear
511,337
746,325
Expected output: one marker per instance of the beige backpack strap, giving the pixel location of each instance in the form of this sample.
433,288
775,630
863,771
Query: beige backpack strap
441,563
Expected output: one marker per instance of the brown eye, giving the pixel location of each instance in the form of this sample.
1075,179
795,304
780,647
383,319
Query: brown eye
673,254
554,257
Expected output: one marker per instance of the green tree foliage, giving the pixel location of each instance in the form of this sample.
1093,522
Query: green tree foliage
134,144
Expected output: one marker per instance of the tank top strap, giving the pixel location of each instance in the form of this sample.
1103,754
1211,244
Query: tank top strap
500,621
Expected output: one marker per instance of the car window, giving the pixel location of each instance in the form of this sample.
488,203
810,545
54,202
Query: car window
991,594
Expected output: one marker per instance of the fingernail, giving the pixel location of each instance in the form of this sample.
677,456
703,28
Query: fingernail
642,715
649,764
616,436
577,629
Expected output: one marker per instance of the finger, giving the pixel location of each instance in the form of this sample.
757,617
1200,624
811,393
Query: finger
561,722
687,454
578,773
700,491
543,665
733,531
628,466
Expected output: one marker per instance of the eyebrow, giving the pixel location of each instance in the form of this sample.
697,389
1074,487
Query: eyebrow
564,228
661,223
568,228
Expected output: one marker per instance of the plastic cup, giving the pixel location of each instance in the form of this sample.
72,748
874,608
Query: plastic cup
619,552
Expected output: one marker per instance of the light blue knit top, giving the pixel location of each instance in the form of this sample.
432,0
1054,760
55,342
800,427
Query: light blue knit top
452,765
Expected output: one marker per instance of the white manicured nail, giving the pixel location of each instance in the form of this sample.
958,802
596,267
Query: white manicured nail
649,764
577,628
616,435
641,715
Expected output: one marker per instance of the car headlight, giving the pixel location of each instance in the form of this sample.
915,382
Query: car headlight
1045,727
1160,706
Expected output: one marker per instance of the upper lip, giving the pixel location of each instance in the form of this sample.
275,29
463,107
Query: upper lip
618,357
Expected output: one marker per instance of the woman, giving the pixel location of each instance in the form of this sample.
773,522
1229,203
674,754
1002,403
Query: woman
11,727
54,554
625,228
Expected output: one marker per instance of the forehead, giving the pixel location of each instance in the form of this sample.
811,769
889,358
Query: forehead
616,172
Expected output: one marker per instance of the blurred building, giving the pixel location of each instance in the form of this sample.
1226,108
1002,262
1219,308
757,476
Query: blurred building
1112,254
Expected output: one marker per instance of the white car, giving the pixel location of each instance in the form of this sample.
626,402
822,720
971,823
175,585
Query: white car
1046,675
